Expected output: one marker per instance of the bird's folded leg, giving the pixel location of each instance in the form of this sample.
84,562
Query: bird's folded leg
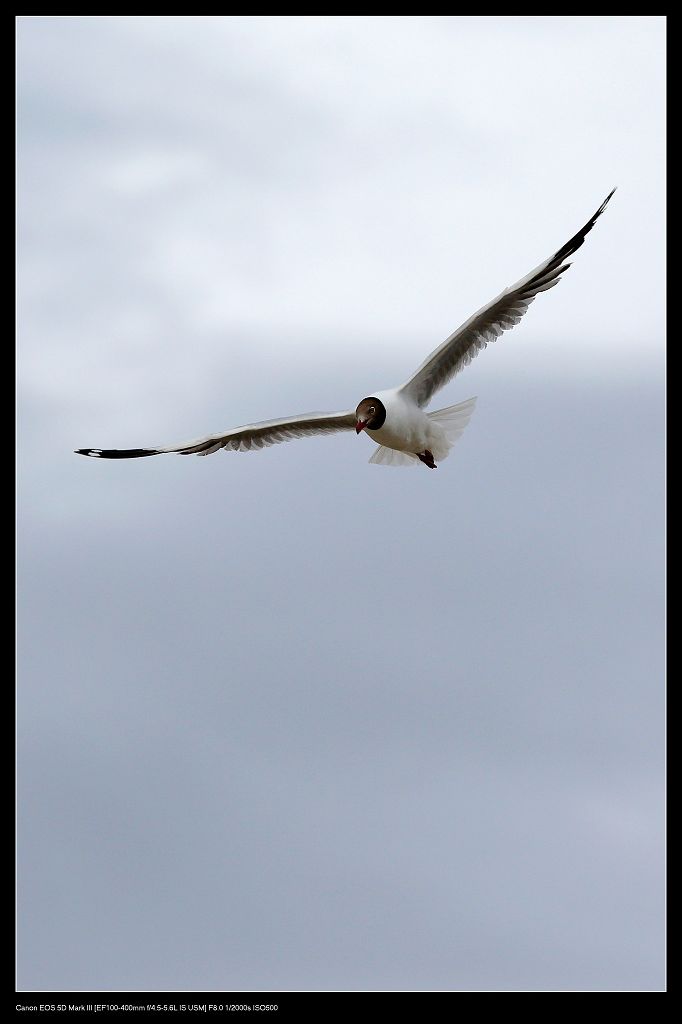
427,459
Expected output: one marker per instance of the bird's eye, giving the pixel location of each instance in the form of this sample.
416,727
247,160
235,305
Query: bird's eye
372,410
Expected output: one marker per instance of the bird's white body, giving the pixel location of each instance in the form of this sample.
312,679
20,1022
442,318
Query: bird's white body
408,429
404,432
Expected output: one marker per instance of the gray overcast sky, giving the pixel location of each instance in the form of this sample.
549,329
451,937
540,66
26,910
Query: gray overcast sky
287,720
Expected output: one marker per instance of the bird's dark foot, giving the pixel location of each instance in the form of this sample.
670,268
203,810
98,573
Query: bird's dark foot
427,459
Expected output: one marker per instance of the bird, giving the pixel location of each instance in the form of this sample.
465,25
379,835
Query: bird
395,419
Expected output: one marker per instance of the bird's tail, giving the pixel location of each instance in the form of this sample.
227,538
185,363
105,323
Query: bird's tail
454,419
390,457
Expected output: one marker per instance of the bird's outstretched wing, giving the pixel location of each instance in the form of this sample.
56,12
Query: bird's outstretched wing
241,439
499,315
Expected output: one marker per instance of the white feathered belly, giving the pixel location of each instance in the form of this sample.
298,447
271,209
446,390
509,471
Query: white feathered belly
407,428
408,431
414,439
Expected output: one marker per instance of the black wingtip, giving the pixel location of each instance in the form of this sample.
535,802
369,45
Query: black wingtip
115,453
603,205
592,221
574,243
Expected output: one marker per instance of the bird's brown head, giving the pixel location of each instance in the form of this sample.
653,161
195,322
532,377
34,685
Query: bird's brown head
369,415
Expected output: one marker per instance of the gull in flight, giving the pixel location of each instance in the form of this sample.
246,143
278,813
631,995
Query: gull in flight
395,419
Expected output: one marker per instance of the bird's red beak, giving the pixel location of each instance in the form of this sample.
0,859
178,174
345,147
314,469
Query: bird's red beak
360,426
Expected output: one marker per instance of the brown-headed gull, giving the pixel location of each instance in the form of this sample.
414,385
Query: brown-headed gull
395,419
